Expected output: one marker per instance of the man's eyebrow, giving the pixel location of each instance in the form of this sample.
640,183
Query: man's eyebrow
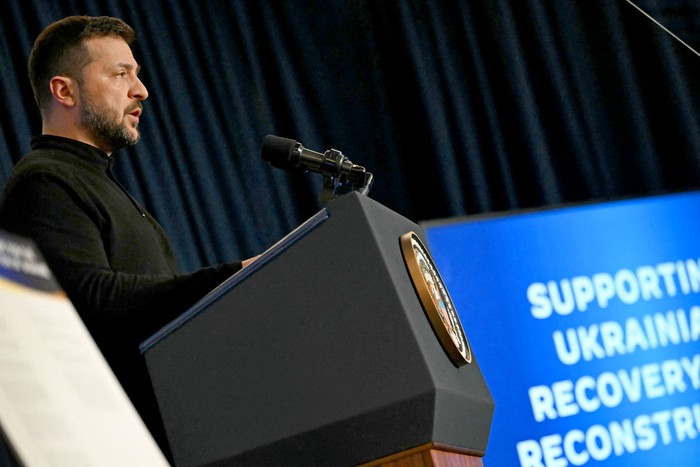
129,67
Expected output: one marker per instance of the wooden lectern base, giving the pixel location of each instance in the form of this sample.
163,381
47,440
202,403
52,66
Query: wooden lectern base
429,455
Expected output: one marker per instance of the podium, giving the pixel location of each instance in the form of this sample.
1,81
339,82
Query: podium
319,353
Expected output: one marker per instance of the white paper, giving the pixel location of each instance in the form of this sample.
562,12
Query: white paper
60,403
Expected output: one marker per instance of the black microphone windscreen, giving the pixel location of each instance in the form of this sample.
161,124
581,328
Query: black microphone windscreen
278,152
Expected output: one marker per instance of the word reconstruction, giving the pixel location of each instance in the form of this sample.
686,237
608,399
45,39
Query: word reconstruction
617,438
628,286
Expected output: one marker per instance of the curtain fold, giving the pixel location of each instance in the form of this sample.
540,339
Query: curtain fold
457,107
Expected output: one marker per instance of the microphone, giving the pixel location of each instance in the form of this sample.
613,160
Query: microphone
338,171
287,154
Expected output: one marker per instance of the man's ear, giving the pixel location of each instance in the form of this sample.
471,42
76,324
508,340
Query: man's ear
64,90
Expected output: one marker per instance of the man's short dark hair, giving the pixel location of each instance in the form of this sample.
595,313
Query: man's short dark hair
60,49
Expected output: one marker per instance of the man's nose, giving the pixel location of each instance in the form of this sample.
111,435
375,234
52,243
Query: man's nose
139,91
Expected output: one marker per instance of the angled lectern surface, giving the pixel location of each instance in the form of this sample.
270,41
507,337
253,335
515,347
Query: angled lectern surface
320,353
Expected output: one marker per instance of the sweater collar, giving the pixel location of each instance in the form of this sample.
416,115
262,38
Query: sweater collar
85,151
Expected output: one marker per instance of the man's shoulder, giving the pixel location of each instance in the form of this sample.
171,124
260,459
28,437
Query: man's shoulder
43,168
49,163
43,160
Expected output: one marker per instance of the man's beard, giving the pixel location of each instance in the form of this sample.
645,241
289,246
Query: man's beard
108,133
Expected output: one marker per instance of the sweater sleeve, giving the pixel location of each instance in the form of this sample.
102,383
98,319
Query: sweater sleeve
66,231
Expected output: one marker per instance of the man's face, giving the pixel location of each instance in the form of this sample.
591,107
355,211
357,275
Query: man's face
111,94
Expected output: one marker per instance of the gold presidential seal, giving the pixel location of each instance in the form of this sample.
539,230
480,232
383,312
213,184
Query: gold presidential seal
435,299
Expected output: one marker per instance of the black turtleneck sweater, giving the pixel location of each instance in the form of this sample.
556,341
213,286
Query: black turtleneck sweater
110,256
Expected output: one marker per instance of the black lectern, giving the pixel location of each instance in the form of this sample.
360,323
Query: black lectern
320,353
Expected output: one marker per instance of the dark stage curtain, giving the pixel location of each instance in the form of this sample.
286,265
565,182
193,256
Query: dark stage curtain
457,107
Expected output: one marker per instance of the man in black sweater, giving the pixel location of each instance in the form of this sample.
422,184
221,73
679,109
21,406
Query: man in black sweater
110,256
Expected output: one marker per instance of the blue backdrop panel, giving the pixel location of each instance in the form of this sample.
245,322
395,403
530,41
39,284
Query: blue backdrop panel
585,321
